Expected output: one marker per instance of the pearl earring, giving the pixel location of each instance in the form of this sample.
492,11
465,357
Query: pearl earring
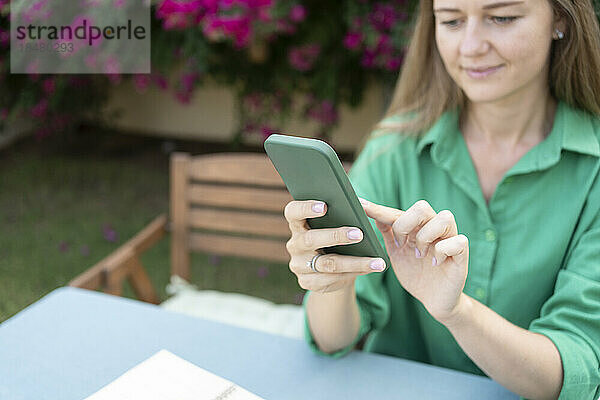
559,34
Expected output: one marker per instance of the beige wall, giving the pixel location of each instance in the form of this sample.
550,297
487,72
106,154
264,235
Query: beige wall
211,115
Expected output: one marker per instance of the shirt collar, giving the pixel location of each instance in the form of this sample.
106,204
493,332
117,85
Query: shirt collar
446,125
572,130
579,133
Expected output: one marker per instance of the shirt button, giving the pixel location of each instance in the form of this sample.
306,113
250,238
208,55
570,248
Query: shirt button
479,293
490,235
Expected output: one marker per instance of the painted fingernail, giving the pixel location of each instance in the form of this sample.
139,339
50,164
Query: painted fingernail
377,265
354,234
318,207
417,253
433,262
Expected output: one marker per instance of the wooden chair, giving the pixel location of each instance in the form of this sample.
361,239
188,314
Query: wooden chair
224,204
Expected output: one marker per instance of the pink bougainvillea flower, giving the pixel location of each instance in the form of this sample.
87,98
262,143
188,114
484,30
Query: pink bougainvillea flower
38,11
182,14
33,70
383,16
266,131
255,4
323,112
160,81
384,45
119,3
49,85
141,82
188,81
393,64
249,128
4,38
368,59
303,58
228,4
238,27
297,13
284,26
353,40
253,102
40,109
357,23
183,97
212,29
112,68
264,15
115,79
109,233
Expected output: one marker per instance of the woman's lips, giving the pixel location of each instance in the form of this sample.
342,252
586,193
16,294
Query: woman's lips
478,73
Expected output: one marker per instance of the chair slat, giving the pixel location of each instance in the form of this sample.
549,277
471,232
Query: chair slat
239,222
239,197
244,169
264,249
180,257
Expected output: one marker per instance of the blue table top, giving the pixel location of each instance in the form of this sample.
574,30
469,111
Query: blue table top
72,342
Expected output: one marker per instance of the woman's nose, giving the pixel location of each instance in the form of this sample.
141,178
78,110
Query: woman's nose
473,42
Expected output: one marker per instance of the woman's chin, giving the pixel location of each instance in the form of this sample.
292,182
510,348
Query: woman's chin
484,96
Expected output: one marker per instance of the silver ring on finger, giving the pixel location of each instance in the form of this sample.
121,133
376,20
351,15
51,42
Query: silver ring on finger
313,263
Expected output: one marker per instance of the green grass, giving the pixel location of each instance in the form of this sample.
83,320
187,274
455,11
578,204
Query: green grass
54,206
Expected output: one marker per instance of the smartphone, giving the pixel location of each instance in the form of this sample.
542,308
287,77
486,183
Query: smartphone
311,170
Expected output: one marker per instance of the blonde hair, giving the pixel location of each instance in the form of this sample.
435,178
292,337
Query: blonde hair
425,90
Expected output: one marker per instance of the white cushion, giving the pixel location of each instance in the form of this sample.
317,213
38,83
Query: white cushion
235,309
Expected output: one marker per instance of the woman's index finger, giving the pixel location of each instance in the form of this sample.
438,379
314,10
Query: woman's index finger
385,215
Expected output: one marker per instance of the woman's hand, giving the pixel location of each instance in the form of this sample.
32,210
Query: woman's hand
336,271
428,256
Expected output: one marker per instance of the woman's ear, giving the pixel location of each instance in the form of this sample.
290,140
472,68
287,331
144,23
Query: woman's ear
559,25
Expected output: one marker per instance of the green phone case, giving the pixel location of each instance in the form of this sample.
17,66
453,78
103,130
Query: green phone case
311,170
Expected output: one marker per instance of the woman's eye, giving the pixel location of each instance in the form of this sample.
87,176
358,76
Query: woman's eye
503,20
451,23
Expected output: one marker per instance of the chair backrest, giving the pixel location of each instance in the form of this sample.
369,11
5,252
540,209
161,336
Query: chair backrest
226,204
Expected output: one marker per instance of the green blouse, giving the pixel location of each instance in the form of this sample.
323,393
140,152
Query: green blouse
534,249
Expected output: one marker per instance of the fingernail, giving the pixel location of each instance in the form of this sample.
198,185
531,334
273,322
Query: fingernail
363,202
354,234
378,264
417,253
397,244
433,262
318,207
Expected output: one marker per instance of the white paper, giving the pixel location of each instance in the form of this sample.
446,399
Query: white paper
164,376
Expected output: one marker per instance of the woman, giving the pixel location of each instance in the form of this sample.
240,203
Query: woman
494,122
